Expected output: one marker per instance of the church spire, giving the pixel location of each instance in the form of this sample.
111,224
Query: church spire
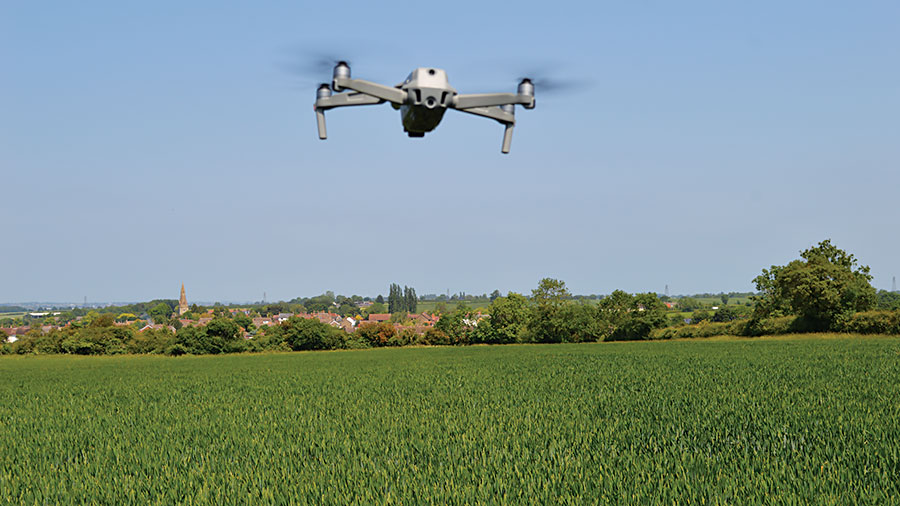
182,303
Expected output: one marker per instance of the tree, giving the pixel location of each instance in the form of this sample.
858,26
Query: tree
509,318
160,313
379,299
395,299
243,320
724,297
410,299
309,334
548,321
376,334
824,288
629,317
495,295
888,301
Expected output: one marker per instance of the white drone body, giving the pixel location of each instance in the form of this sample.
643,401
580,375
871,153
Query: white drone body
422,99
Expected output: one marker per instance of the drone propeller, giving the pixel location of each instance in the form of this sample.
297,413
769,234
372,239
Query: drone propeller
545,85
310,68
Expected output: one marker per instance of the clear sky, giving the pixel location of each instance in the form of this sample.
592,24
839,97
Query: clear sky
142,146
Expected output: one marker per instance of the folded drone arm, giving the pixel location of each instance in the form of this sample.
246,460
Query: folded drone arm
387,93
491,99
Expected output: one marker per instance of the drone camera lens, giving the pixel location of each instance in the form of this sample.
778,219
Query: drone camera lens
431,72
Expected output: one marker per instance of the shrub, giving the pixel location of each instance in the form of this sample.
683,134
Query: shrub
874,322
436,337
376,334
772,326
308,334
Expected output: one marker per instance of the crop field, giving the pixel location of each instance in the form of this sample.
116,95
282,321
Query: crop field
765,421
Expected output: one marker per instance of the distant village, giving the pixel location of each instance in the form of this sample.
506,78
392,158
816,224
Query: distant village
183,316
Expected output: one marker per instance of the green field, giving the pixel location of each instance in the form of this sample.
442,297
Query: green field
765,421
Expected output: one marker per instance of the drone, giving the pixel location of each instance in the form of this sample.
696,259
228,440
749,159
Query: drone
422,100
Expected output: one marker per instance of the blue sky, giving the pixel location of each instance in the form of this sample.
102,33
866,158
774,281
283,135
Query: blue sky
145,146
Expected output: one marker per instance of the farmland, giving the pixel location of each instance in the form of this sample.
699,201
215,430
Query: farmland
808,420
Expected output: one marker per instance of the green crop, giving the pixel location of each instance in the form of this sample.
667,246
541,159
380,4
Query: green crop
799,421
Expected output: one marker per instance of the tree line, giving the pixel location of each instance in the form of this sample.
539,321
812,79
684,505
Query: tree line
826,289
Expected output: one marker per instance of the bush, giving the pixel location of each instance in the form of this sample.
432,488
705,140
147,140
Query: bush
705,329
436,337
874,322
773,326
308,334
376,334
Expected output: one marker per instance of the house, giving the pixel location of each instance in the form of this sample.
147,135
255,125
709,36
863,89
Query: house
283,317
261,322
328,318
424,319
13,334
379,317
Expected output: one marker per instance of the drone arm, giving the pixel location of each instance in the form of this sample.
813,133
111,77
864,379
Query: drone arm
384,93
491,99
347,99
494,113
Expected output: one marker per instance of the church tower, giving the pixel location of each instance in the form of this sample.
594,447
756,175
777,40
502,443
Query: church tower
182,303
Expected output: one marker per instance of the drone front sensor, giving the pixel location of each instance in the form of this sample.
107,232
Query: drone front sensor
422,100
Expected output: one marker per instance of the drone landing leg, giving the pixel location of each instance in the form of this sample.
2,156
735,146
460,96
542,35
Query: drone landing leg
320,119
507,138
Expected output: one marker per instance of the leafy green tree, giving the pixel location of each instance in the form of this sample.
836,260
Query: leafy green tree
614,309
377,308
223,328
195,340
509,318
160,313
824,288
690,304
888,301
724,298
410,299
397,300
648,313
243,320
495,295
725,314
310,334
548,323
348,308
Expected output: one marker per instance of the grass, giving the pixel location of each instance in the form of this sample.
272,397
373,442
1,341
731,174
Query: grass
744,421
